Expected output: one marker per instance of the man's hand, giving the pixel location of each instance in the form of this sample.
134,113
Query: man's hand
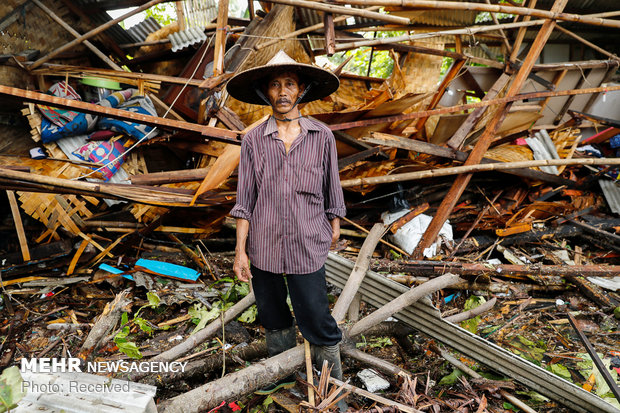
335,223
241,266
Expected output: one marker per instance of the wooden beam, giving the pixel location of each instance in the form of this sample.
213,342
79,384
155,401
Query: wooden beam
485,140
220,134
349,11
492,8
92,33
220,38
74,32
557,79
330,34
178,5
19,226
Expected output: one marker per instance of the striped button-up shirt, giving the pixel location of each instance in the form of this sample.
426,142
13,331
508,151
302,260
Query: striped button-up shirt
289,198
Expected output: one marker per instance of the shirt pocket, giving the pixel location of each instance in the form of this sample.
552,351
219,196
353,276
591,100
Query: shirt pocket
309,181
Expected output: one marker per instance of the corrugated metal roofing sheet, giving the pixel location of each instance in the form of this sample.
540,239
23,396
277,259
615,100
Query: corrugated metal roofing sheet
191,36
141,30
612,194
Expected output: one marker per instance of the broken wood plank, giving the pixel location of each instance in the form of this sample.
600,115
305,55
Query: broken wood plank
220,38
476,155
42,98
168,177
330,34
19,226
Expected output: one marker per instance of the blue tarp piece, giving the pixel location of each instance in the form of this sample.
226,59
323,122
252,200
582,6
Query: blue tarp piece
165,269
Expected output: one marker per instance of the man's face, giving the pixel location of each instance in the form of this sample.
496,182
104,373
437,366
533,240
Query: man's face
283,90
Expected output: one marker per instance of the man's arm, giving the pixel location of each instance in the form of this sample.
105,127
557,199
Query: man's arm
335,223
241,266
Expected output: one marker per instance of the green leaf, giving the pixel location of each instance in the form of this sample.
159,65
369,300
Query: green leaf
154,300
143,324
451,378
201,315
124,318
379,342
472,324
11,390
249,315
510,407
129,348
560,370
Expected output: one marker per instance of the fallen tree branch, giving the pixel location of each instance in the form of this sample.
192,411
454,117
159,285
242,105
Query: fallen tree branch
105,323
483,308
359,271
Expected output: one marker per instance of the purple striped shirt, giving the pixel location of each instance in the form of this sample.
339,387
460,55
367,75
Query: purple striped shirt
289,199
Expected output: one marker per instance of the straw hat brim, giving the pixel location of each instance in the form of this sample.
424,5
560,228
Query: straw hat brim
243,85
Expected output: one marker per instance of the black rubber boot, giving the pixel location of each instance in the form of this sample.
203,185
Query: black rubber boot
277,342
332,355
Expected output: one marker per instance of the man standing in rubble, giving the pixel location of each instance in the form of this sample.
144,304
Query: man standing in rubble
289,204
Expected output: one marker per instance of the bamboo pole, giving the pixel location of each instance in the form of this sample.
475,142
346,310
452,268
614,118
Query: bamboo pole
483,103
493,8
309,374
457,170
92,33
74,32
332,8
306,30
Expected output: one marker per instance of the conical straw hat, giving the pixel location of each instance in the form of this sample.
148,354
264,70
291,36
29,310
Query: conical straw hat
243,85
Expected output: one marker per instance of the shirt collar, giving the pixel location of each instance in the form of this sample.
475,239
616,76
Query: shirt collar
305,124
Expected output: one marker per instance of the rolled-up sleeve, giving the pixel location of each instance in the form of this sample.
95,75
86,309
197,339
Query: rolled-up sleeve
332,190
246,184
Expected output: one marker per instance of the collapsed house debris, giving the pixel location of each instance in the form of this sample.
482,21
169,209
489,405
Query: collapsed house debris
477,141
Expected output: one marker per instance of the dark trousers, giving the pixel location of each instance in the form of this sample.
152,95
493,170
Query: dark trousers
309,299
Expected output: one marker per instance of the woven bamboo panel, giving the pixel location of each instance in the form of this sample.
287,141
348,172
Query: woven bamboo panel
510,153
37,30
52,210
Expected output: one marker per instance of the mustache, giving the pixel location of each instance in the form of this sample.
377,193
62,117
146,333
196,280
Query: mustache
283,100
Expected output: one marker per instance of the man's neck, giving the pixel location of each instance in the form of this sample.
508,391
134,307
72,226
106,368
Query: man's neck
291,122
